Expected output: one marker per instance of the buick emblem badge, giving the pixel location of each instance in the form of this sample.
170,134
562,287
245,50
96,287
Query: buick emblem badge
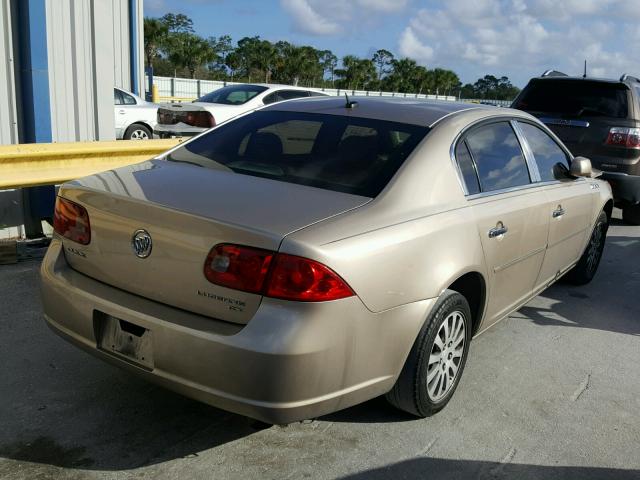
141,243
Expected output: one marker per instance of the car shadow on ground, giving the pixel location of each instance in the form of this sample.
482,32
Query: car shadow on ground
617,311
126,436
444,469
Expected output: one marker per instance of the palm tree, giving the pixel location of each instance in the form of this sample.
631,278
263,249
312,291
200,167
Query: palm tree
155,37
382,58
329,62
403,75
356,72
190,51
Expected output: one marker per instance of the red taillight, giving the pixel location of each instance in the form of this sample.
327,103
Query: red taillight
241,268
277,275
199,119
624,137
71,221
298,278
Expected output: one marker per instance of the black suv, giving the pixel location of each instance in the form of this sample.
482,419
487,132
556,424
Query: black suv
598,119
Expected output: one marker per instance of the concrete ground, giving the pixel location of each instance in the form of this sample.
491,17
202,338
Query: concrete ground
553,392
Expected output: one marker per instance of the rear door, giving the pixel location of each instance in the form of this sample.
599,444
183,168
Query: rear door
569,203
126,107
119,113
512,227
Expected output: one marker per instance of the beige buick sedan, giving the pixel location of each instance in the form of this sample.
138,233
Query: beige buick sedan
317,253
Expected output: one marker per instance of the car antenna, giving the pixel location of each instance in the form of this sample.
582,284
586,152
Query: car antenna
585,69
350,104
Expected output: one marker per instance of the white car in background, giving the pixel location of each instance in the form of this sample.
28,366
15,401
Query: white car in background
135,118
188,119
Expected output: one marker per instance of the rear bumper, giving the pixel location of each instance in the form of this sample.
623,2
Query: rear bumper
177,130
292,361
626,188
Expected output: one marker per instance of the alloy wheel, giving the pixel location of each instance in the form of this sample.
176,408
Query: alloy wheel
595,247
446,356
139,135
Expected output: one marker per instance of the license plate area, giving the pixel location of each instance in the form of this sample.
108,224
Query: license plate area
125,340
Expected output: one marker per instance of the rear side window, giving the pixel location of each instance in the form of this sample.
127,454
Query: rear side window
345,154
128,99
117,97
498,157
468,170
281,95
549,157
578,98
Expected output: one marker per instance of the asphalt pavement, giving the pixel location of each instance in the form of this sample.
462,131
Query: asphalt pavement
552,392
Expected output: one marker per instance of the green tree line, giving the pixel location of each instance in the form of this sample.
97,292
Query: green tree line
173,48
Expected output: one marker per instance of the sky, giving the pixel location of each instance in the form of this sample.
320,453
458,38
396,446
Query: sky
516,38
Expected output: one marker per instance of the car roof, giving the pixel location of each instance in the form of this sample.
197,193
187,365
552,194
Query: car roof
402,110
580,78
273,85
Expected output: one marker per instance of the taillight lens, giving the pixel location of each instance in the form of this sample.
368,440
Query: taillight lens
276,275
71,221
298,278
237,267
199,119
624,137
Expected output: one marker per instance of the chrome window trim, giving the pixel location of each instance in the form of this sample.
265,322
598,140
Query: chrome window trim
492,193
534,173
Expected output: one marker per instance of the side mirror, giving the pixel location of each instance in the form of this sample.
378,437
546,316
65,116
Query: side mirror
581,167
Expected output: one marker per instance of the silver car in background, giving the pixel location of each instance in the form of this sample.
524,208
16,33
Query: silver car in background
135,118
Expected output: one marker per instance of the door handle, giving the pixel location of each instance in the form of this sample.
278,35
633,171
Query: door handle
122,112
499,230
558,212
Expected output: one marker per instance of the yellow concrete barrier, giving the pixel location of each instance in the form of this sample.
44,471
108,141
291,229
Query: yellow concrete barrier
27,165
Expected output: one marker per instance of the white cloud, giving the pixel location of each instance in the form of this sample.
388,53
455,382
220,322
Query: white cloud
414,48
334,17
525,37
308,20
383,5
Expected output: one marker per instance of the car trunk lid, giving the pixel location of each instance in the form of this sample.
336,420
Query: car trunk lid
185,220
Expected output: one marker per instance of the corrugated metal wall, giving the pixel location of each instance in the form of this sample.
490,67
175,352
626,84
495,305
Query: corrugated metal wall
89,54
140,23
121,44
8,118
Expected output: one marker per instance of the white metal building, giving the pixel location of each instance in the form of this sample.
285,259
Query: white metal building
60,60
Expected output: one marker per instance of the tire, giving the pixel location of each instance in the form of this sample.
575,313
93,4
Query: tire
420,390
631,214
584,271
137,131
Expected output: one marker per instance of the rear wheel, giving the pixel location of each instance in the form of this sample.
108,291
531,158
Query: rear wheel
586,268
436,361
631,214
137,132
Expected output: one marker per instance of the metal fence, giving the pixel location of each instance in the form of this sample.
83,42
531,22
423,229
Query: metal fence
187,89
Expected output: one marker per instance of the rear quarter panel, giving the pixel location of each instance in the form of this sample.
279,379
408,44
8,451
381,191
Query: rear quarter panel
412,241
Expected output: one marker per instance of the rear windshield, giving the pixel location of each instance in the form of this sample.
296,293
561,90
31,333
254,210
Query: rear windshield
574,97
232,95
334,152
